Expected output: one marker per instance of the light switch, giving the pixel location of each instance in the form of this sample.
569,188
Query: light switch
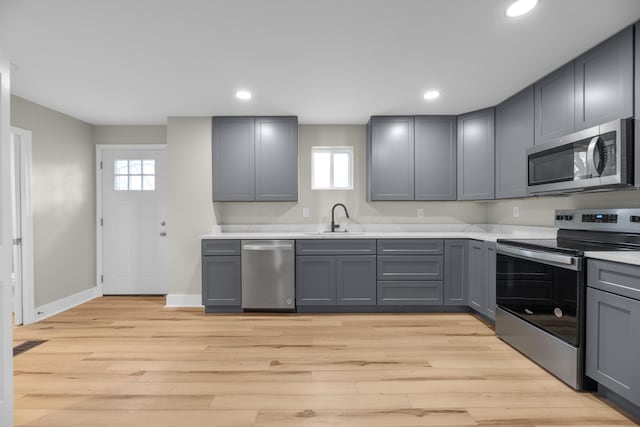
420,212
516,212
305,212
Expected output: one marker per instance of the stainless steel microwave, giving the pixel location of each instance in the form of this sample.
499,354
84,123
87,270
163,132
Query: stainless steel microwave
596,158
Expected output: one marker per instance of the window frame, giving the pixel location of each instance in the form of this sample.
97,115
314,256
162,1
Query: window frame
332,150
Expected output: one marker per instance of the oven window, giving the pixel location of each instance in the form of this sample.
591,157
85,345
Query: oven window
543,295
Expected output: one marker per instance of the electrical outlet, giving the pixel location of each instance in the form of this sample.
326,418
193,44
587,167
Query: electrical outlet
305,212
516,212
420,212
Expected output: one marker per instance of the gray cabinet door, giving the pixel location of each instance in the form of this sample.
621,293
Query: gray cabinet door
221,281
514,134
476,275
435,158
336,247
315,280
356,280
391,158
276,158
604,82
555,104
232,150
220,247
613,343
456,270
410,246
490,280
476,145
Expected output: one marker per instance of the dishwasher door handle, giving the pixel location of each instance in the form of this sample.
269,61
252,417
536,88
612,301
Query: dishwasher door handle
267,247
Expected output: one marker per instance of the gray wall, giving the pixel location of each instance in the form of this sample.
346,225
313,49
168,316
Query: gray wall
129,134
320,202
63,198
539,211
190,207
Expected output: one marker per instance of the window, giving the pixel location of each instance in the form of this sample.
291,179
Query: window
332,168
135,175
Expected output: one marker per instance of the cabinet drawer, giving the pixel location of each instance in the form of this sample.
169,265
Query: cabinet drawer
220,247
621,279
405,267
336,247
410,293
410,247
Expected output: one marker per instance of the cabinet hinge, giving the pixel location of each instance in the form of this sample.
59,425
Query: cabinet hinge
17,241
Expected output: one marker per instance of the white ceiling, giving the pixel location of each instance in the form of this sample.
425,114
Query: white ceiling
327,61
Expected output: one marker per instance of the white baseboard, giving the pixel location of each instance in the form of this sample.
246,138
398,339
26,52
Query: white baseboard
184,300
63,304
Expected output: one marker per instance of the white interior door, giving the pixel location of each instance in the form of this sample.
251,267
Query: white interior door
16,270
6,246
134,221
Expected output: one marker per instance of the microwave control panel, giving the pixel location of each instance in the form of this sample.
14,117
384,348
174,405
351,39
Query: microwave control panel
618,220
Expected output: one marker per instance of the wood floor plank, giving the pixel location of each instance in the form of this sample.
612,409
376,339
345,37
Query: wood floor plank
128,361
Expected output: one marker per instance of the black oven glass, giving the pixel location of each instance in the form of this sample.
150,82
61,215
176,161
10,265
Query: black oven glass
541,294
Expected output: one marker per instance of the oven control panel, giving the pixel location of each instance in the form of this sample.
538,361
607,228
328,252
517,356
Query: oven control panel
621,220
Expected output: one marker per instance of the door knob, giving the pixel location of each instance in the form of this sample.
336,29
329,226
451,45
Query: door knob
163,233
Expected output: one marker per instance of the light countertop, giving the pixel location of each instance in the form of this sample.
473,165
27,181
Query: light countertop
626,257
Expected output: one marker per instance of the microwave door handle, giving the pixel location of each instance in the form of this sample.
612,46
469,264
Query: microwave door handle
595,149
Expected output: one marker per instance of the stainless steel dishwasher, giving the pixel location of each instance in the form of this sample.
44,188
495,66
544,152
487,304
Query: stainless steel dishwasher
268,275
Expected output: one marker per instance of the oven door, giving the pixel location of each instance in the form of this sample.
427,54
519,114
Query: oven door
542,288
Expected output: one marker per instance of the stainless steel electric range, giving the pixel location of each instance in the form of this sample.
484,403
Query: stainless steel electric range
540,287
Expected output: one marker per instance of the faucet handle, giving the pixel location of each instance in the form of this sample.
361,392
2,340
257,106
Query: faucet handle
335,227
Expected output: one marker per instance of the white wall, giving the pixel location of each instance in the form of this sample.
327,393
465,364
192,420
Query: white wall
540,211
360,210
190,207
156,134
64,200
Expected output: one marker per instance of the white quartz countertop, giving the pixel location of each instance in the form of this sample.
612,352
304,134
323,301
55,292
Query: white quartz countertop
626,257
477,232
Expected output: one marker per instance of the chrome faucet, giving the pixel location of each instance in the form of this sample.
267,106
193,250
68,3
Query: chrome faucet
333,222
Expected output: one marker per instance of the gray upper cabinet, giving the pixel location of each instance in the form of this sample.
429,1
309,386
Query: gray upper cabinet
476,145
555,104
232,152
435,158
276,157
604,82
390,158
514,134
255,159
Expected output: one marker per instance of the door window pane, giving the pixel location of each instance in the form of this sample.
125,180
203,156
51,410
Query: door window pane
135,175
148,183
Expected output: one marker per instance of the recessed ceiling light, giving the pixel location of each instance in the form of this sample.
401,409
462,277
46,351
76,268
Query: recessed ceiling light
432,94
520,7
243,94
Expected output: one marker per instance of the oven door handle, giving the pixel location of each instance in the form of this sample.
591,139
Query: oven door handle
565,261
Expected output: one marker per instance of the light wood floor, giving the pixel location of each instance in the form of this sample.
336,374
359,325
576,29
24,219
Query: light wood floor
127,361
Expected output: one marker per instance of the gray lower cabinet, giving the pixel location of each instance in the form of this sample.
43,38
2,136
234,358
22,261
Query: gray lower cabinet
604,82
490,280
435,158
336,280
637,103
482,278
390,154
356,280
613,327
476,159
254,158
315,280
221,274
476,275
410,272
456,272
514,135
555,104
